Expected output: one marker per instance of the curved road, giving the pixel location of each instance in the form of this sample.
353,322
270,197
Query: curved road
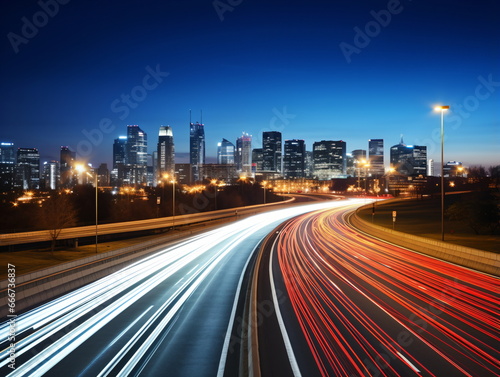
357,306
168,314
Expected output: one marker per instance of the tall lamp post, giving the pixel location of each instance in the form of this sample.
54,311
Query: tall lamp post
82,169
264,183
173,202
214,183
442,109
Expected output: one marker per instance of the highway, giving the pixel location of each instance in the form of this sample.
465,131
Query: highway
170,313
348,304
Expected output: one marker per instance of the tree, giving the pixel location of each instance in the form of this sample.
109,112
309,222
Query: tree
495,175
479,210
55,214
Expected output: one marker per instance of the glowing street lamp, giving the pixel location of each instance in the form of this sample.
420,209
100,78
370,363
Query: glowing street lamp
173,201
81,168
442,109
264,183
214,183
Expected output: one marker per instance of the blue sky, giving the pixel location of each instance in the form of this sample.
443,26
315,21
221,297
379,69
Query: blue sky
252,67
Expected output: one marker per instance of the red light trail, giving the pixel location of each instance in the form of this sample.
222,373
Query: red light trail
369,308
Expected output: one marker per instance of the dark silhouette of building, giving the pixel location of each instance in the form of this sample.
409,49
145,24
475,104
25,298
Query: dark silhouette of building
294,159
271,151
68,175
7,166
409,160
257,159
196,148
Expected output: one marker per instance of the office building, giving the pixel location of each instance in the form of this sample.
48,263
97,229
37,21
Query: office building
196,149
271,151
430,168
183,174
257,159
309,165
51,175
28,169
225,152
409,160
165,159
103,175
454,169
329,159
68,175
294,159
376,157
221,172
7,166
136,156
243,155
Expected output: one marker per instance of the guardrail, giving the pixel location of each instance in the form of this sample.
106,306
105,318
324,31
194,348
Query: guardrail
130,226
481,260
45,284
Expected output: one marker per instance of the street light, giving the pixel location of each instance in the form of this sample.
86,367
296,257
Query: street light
214,183
82,169
264,183
442,109
365,164
173,202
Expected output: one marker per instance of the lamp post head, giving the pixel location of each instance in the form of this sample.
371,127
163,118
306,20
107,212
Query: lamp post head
441,108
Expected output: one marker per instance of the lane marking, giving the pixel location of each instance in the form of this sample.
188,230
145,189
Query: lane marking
409,363
288,345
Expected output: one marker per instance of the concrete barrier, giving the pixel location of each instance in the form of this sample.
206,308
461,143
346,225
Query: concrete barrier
481,260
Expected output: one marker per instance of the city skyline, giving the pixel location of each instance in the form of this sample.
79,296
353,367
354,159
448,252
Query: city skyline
330,71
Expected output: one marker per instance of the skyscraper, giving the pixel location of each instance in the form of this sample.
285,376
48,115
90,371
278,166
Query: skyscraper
244,155
166,152
409,160
358,159
225,152
376,157
136,155
257,159
118,173
7,165
294,159
329,159
271,151
28,169
430,168
51,175
196,148
119,151
67,161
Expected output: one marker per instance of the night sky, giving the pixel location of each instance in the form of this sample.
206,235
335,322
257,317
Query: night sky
299,67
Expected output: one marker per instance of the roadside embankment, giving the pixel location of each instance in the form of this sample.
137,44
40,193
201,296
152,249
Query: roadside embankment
481,260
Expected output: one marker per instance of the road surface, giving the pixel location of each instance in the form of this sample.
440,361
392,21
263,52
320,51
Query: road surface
357,306
167,314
